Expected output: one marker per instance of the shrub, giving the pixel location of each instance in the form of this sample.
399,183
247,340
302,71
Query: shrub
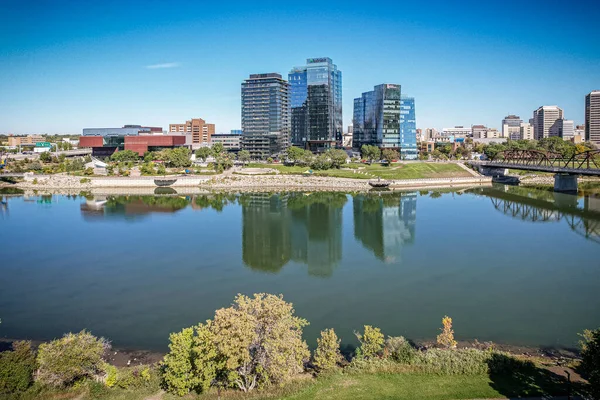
591,361
446,338
89,171
453,362
178,365
16,368
73,357
35,181
135,377
375,366
85,180
327,354
504,364
399,349
110,378
371,342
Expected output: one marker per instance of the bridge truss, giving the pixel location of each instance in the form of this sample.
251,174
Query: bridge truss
586,160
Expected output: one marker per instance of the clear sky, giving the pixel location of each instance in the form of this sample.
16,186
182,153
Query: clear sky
66,65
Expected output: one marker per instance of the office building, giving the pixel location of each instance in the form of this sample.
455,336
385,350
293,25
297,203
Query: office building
265,115
316,105
230,141
479,131
543,118
526,131
592,117
25,140
457,132
563,128
236,131
408,128
511,127
430,133
376,118
197,129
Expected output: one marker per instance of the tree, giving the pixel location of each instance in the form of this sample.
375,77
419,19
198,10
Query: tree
337,157
390,154
446,338
370,153
46,157
217,148
125,155
17,367
327,354
294,154
223,161
321,162
590,361
371,342
203,153
244,156
178,157
75,356
178,365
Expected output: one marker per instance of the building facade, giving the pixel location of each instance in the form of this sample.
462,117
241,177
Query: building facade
376,118
197,129
543,118
230,141
563,128
106,141
25,140
265,115
316,105
592,117
408,128
526,131
457,131
511,127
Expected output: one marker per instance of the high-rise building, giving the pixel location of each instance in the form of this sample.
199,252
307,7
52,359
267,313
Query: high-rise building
526,131
408,128
197,128
563,128
376,118
592,117
543,118
511,127
265,115
316,104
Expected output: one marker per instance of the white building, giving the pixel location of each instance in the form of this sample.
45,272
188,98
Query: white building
543,119
457,132
230,141
511,127
563,128
526,131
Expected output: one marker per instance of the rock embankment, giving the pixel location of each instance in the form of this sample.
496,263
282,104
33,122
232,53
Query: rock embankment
260,182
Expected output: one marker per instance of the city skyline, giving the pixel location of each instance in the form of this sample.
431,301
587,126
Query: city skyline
76,65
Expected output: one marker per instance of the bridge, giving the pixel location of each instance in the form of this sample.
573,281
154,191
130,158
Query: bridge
566,169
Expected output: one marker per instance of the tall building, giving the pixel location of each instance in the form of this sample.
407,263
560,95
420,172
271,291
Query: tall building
563,128
408,128
511,127
526,131
592,117
196,128
543,118
376,118
265,115
316,104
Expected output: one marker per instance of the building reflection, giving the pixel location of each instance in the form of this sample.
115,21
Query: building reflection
97,208
385,222
305,228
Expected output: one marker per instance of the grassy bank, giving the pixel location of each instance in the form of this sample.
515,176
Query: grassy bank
395,171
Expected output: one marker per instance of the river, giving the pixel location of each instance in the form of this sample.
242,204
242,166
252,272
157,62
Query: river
509,264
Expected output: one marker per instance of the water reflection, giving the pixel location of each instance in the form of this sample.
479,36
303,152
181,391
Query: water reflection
97,208
384,223
540,206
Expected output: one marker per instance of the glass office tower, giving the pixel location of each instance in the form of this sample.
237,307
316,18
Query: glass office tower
265,115
376,118
316,105
408,129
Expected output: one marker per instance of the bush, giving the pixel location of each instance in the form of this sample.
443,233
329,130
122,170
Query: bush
453,362
73,357
321,162
591,361
399,349
35,181
327,354
178,365
88,171
136,377
446,338
505,364
16,368
85,180
375,366
371,342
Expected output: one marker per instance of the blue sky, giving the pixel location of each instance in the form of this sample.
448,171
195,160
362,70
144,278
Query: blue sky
66,65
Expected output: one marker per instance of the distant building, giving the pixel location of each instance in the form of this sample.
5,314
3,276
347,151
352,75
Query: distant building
457,131
479,131
579,134
543,118
347,140
265,115
230,141
25,140
592,117
236,131
511,127
408,128
526,131
427,147
430,133
563,128
376,118
350,129
106,141
197,128
316,104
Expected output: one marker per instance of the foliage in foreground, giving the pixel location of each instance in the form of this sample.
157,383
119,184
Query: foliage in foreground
75,356
371,342
327,354
16,368
591,360
255,342
446,337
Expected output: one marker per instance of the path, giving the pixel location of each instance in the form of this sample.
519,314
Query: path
469,170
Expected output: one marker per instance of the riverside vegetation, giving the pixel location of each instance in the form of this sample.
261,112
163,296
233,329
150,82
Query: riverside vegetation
254,349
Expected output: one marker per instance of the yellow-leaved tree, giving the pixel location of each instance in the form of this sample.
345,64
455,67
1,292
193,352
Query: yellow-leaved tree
446,338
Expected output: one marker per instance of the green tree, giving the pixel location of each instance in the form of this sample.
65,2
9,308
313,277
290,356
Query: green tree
590,361
125,155
17,367
390,154
46,157
321,162
217,149
327,354
371,342
75,356
223,161
148,156
244,156
178,365
337,157
161,170
203,153
371,153
294,154
178,157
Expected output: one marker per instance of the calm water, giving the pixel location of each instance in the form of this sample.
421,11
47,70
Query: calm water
509,264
